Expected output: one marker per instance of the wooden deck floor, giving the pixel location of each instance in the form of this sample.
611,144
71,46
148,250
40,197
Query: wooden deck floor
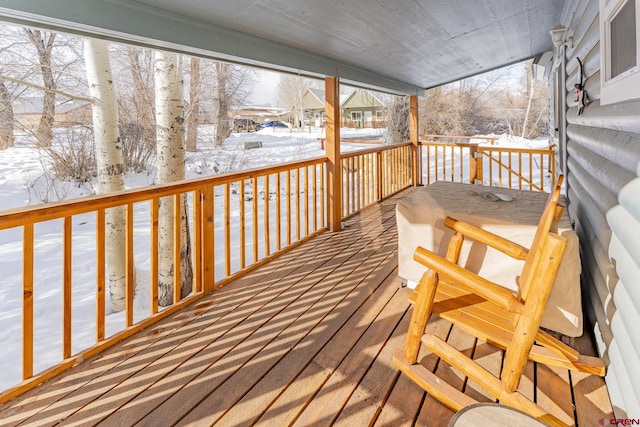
305,340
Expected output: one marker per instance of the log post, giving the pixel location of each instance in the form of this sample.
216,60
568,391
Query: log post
334,167
416,165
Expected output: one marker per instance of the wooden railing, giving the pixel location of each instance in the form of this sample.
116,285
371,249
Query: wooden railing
373,174
237,221
521,168
447,161
508,167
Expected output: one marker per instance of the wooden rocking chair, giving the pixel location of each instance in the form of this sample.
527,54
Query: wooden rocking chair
491,313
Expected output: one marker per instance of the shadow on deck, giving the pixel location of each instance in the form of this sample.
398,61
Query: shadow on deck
306,339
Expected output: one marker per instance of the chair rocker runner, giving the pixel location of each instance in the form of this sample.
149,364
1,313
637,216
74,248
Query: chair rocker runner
493,314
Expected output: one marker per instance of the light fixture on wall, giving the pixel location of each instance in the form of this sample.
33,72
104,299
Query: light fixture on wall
558,35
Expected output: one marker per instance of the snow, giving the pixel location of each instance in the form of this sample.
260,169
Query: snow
22,184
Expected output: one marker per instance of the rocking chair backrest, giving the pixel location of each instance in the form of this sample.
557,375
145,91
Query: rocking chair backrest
537,279
548,222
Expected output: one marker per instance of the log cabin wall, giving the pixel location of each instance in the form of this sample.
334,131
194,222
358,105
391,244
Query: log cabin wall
600,154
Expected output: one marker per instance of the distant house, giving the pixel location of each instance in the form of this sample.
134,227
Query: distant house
360,109
313,103
262,114
28,110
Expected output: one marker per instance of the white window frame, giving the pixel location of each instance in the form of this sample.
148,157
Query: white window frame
625,86
356,116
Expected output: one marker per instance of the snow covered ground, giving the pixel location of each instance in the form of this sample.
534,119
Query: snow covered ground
21,184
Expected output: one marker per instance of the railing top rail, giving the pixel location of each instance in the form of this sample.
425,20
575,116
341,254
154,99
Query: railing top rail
373,150
356,140
44,212
518,150
448,144
432,136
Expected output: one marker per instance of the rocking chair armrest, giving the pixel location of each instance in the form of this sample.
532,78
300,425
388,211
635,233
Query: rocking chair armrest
470,281
503,245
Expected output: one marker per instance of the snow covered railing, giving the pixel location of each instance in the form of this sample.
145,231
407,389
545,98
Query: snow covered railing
374,174
237,222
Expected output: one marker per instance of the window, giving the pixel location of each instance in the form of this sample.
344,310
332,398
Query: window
356,116
619,50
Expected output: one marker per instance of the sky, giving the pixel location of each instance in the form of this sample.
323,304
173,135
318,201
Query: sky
265,90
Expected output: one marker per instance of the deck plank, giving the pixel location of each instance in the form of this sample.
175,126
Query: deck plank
46,403
405,400
305,339
291,371
191,395
350,364
433,413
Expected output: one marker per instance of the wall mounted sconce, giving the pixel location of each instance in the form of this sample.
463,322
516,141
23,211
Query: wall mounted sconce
558,35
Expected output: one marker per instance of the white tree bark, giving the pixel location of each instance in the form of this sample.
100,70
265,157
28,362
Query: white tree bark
109,161
6,117
170,167
44,42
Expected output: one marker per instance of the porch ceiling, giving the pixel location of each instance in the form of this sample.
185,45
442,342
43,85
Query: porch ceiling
397,46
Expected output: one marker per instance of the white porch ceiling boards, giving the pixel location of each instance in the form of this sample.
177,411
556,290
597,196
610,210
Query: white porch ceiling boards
400,46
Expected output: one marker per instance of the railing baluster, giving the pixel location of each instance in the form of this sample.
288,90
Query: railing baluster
297,193
278,213
27,301
288,175
129,268
153,282
530,169
254,215
177,232
208,239
67,278
322,194
197,244
306,201
243,225
314,189
227,229
519,169
361,182
266,201
100,274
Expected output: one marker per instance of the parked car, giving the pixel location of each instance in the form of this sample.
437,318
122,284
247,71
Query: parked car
245,125
273,124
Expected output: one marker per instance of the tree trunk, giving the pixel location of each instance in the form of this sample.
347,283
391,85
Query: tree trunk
143,98
193,119
223,125
170,167
6,117
532,91
109,161
44,46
